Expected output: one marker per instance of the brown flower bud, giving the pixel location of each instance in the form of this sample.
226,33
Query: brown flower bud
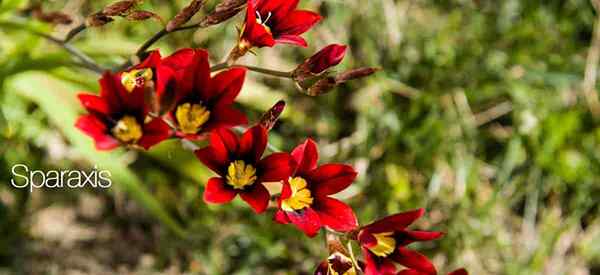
322,86
140,15
97,19
119,8
53,17
269,119
223,11
185,14
355,74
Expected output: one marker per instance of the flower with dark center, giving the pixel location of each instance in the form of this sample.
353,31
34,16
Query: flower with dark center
384,242
242,170
305,198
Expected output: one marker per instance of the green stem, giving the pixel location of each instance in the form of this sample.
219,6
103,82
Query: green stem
222,66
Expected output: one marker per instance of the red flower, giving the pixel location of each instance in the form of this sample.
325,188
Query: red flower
325,58
241,170
305,200
383,242
461,271
337,263
201,103
275,21
119,115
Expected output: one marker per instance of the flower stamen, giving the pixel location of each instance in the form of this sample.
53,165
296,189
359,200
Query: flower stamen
301,196
386,244
191,117
263,23
136,78
127,130
240,174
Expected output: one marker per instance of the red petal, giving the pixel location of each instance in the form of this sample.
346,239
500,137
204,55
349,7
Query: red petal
257,197
396,222
410,272
186,66
110,92
151,61
255,33
212,159
286,190
94,103
377,266
306,220
332,178
414,260
96,129
279,8
297,22
409,237
281,217
224,140
306,156
217,191
326,58
292,39
225,117
275,167
154,132
461,271
253,143
336,214
226,86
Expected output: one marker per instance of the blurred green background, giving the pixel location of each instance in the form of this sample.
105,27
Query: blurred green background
479,116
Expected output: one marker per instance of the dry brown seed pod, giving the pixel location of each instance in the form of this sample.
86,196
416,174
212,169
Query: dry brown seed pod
223,11
119,8
185,14
97,19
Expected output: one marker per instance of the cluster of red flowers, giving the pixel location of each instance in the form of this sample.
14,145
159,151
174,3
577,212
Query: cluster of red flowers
178,97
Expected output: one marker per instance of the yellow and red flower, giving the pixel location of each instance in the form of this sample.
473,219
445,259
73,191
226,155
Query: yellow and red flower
305,198
119,115
275,21
241,170
384,242
199,103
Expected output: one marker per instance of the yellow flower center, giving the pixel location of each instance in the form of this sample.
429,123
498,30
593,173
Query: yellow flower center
300,198
127,130
190,117
342,263
386,244
240,174
136,78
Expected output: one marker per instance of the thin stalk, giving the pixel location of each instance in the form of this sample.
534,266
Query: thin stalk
75,31
222,66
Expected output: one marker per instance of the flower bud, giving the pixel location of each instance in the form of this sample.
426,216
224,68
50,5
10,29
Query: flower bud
223,11
185,14
355,74
97,19
320,62
140,15
269,119
119,8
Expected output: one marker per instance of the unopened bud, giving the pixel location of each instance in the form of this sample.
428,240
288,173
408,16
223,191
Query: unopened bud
321,61
97,19
355,74
321,86
140,15
185,14
119,8
269,119
223,11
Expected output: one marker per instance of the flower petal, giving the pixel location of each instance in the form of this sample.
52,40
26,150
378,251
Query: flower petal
212,159
377,266
225,117
253,32
396,222
460,271
279,9
292,39
409,272
281,217
154,132
275,167
336,214
257,197
414,260
94,103
332,178
217,191
322,269
297,22
225,86
408,237
306,220
306,156
253,144
96,129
